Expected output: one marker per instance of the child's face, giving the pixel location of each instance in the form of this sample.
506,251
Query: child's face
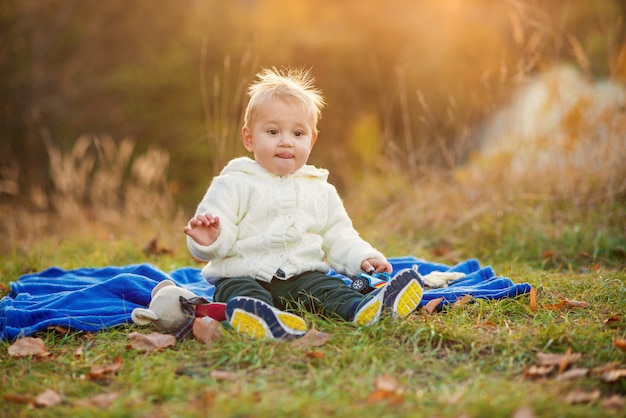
281,136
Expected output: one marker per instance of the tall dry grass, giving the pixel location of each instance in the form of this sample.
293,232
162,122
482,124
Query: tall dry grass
546,175
535,163
535,168
547,172
99,188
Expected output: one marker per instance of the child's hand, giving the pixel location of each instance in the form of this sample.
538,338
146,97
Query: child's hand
376,264
203,228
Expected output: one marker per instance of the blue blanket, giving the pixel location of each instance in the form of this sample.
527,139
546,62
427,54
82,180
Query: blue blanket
92,299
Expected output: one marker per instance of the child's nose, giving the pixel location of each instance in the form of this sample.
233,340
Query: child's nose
285,139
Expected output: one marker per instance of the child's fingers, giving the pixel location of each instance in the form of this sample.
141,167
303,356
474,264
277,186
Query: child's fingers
367,266
207,219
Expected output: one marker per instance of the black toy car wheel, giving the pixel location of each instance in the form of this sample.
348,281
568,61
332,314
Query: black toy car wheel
360,285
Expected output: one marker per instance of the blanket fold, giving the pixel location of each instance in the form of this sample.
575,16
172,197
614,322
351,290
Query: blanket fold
92,299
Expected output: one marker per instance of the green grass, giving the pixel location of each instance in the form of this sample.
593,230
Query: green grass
447,363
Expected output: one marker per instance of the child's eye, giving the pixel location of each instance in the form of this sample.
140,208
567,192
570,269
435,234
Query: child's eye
298,133
272,131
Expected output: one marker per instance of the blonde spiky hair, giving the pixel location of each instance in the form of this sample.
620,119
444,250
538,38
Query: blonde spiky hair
289,84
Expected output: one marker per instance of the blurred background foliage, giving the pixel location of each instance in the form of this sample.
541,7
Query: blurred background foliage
410,84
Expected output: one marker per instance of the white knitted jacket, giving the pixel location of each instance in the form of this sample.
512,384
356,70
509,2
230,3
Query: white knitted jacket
296,223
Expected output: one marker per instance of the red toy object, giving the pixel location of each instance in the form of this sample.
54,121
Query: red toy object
171,307
213,310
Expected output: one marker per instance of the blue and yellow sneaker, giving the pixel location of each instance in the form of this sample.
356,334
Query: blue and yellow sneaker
402,294
256,319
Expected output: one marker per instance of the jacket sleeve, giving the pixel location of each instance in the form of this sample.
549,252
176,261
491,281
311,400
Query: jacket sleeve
345,249
222,199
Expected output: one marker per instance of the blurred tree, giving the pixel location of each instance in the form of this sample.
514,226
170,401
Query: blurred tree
155,71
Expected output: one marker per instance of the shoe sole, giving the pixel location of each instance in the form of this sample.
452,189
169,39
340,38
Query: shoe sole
369,313
404,293
256,319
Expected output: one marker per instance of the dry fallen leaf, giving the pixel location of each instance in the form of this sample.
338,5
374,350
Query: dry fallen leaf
538,371
102,372
524,412
462,301
565,361
59,329
613,320
101,401
207,330
78,353
567,303
315,354
432,305
487,326
47,399
152,341
28,346
386,389
613,402
580,396
613,375
561,360
533,299
573,374
576,303
620,343
17,398
223,375
202,403
387,383
557,306
313,338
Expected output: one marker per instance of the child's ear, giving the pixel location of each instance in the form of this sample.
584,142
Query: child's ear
313,138
246,137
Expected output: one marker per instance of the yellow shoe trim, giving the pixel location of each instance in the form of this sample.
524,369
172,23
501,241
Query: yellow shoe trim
367,315
248,325
409,299
292,321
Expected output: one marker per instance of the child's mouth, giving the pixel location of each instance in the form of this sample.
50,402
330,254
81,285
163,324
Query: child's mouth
284,155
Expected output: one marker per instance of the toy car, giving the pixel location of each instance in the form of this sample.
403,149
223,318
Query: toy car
365,283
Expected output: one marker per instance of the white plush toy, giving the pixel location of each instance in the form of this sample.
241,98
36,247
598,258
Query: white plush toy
165,310
438,279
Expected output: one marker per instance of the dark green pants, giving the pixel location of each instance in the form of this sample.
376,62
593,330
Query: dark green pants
316,291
